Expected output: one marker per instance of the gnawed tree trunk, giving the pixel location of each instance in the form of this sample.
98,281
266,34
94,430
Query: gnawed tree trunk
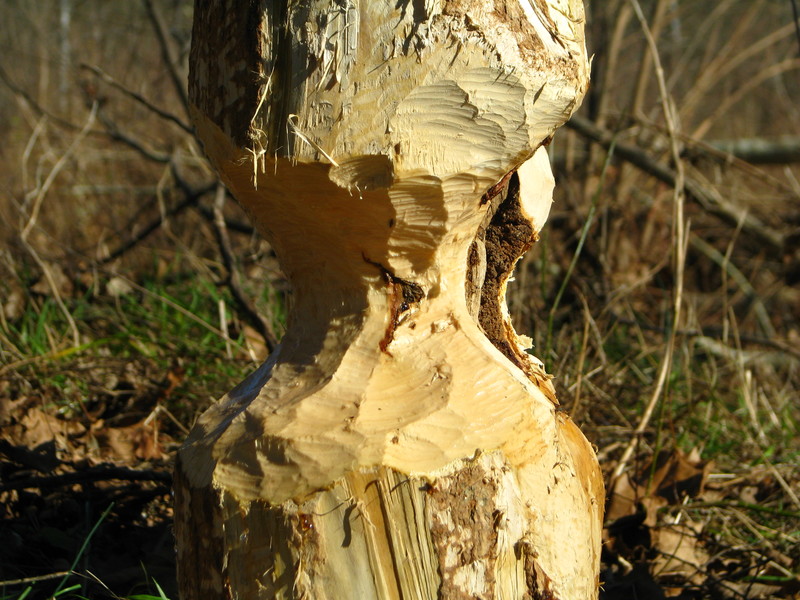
400,442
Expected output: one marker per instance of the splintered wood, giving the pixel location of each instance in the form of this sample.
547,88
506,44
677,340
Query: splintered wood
400,442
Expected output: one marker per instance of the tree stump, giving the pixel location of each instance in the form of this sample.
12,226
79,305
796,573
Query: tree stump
400,442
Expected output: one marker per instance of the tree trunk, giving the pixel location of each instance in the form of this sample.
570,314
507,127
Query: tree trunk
400,442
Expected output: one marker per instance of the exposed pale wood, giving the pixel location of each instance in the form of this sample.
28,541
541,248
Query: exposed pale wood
400,442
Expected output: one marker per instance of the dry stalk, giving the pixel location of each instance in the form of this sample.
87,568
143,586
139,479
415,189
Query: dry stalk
722,66
625,181
26,154
587,318
680,241
703,37
33,218
24,580
612,57
790,64
645,64
730,270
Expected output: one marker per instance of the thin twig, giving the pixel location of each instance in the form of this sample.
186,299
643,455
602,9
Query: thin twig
35,578
234,280
750,293
230,224
18,91
192,196
114,133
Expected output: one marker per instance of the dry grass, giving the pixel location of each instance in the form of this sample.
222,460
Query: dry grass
676,331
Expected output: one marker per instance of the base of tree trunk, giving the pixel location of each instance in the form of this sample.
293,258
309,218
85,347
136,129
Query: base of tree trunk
376,533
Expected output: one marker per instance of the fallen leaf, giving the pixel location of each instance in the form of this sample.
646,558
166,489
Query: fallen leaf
680,553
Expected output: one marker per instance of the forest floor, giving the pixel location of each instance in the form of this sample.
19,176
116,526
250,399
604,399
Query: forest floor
88,435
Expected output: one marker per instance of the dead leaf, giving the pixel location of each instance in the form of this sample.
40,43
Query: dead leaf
677,475
36,427
680,552
130,444
635,515
623,499
63,283
118,286
14,305
255,347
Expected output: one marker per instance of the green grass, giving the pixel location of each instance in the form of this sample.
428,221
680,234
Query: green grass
172,321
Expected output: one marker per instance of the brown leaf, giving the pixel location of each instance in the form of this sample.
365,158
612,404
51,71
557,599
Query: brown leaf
254,346
678,475
130,444
623,499
36,427
62,282
680,552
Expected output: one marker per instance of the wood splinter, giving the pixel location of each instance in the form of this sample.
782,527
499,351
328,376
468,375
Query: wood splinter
400,443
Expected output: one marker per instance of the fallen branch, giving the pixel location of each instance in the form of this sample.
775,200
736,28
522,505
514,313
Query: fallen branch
708,198
88,476
759,151
716,333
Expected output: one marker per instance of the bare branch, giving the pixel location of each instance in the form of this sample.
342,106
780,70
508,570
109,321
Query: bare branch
167,53
41,111
115,134
97,71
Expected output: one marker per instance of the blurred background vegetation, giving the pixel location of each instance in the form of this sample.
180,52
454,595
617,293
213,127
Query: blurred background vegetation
664,294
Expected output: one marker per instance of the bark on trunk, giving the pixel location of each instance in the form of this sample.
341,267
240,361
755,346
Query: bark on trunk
400,442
